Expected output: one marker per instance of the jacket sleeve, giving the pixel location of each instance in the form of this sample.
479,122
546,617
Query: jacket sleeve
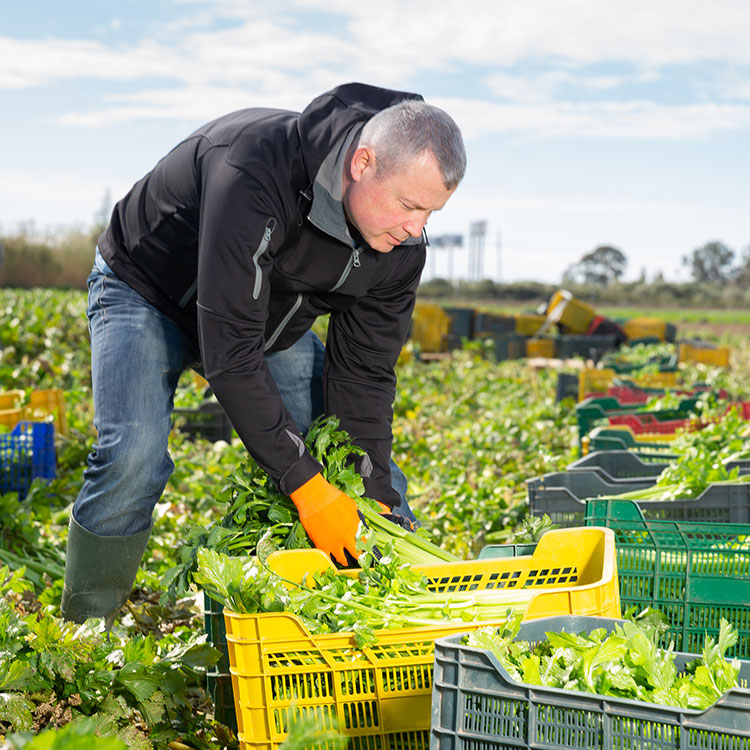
239,230
362,347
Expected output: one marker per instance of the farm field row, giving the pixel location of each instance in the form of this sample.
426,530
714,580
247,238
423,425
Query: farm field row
468,432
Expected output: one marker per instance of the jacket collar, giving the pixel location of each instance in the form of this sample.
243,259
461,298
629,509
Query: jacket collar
327,209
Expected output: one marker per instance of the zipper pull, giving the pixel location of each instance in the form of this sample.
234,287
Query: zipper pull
270,226
355,255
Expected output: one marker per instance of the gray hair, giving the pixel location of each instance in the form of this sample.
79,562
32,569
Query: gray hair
410,128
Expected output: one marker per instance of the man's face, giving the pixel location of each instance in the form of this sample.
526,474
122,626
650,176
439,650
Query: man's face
386,210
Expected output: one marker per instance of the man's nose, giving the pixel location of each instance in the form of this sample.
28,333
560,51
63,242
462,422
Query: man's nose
415,225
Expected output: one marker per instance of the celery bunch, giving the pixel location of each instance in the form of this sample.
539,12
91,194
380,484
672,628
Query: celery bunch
259,510
386,593
625,663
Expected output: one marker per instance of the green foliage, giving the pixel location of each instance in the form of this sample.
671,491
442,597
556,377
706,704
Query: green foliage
386,593
625,663
259,511
78,735
468,432
305,733
142,690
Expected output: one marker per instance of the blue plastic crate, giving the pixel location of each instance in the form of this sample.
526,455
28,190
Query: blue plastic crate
26,453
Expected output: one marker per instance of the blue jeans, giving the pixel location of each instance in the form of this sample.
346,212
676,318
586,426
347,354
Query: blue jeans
137,357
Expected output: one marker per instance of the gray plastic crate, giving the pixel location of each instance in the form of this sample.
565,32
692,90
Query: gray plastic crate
208,421
612,465
476,705
562,496
623,464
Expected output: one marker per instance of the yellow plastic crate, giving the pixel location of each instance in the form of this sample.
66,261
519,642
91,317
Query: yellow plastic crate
527,324
644,437
11,410
639,328
429,327
567,310
718,356
47,403
41,405
597,380
11,417
11,399
380,695
542,347
594,380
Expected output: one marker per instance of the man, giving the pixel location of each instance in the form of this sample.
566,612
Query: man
221,258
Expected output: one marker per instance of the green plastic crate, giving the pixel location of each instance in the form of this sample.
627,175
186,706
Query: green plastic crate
208,421
609,439
461,322
508,346
663,362
512,549
593,410
695,573
476,705
563,496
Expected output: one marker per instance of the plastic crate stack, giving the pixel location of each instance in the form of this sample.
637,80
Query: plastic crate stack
605,423
27,437
688,558
567,327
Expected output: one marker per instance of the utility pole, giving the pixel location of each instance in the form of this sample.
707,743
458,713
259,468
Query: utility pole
450,242
498,256
477,232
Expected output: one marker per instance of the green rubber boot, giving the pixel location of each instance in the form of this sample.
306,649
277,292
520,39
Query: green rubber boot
99,572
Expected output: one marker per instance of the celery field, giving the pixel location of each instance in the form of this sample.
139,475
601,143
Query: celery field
468,432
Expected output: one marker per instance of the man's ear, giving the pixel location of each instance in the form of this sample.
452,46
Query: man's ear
362,160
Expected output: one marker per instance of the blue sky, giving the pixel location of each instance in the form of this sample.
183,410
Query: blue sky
587,122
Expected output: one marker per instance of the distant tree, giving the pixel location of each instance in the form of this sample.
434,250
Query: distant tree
711,263
602,266
742,273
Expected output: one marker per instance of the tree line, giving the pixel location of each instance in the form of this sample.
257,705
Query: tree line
711,263
719,275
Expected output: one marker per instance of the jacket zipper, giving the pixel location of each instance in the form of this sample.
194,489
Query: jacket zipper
353,262
285,321
262,247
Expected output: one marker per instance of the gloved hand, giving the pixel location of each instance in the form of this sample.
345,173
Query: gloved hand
329,516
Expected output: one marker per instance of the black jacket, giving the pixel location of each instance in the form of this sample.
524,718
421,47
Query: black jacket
217,237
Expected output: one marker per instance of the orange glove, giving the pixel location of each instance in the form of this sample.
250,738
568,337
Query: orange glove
328,516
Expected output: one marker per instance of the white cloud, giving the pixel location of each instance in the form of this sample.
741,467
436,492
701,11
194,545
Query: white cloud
506,31
73,198
639,119
396,40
